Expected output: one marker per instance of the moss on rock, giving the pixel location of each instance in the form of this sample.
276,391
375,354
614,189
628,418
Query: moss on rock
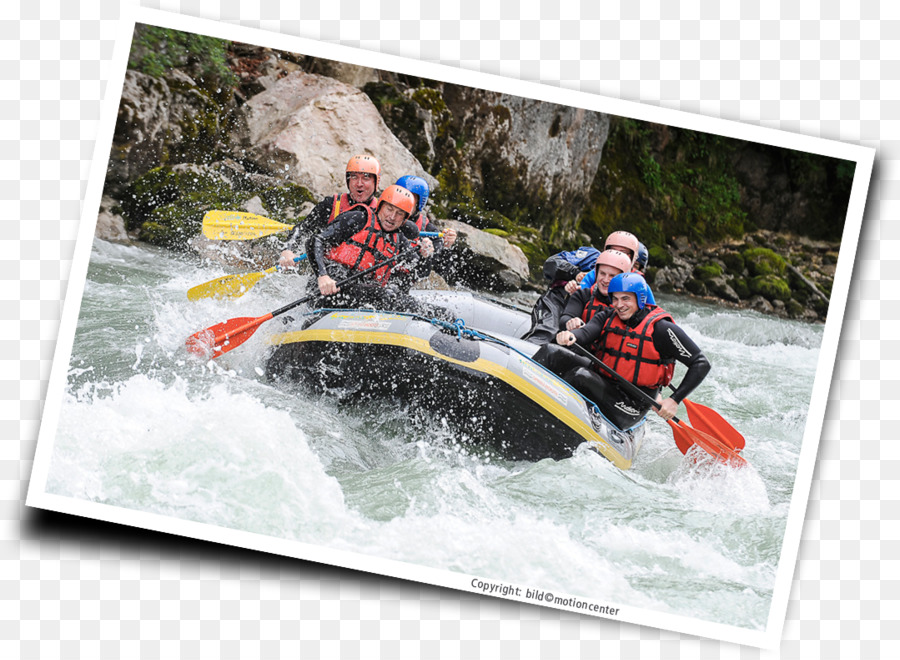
763,261
167,205
660,256
771,287
707,272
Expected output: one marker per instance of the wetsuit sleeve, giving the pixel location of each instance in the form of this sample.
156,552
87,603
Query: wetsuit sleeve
672,342
589,333
574,306
343,227
312,223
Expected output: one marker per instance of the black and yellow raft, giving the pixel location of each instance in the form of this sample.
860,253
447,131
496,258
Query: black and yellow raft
475,373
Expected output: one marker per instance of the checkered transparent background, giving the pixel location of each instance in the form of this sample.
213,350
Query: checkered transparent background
75,588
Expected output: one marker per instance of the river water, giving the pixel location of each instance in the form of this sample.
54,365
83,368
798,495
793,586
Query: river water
144,426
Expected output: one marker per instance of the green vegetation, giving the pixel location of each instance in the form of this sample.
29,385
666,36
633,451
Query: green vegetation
657,182
157,50
168,206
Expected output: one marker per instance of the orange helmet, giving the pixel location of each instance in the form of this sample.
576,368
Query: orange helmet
364,163
399,197
623,239
615,259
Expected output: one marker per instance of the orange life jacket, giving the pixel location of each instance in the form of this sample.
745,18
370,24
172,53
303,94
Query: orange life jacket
342,203
367,247
630,351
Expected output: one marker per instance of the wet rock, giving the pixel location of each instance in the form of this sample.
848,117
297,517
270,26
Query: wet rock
520,151
719,287
110,223
480,259
760,304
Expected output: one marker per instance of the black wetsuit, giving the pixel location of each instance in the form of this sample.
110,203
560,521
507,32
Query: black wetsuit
617,405
547,310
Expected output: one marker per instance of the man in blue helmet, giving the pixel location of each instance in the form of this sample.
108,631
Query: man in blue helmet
420,191
639,341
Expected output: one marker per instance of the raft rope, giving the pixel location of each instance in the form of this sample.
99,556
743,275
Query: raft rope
461,330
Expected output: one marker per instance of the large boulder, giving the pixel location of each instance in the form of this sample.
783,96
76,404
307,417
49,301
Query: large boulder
305,127
110,223
480,259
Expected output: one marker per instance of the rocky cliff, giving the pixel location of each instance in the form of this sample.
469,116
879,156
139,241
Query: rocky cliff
519,178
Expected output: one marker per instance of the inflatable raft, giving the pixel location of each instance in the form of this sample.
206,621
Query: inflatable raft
476,373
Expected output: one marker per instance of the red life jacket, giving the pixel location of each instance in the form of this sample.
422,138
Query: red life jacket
367,247
630,351
592,307
342,203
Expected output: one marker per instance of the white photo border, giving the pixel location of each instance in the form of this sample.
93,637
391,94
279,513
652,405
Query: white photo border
862,156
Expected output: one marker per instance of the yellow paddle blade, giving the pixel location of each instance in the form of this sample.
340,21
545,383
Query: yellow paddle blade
228,286
239,226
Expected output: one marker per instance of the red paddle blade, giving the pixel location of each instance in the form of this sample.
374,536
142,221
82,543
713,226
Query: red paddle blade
223,337
711,445
682,440
711,422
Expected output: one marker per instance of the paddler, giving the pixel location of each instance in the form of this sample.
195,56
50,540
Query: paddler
622,241
584,303
559,270
362,173
361,238
639,341
420,191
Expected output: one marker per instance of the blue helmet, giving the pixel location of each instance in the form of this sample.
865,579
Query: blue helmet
633,283
417,186
643,256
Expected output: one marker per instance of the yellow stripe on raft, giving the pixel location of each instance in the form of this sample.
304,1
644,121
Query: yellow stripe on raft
484,366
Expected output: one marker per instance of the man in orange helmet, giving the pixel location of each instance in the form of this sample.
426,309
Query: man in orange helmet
360,239
363,173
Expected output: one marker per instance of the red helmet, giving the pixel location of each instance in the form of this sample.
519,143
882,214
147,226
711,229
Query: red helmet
615,259
399,197
364,163
623,239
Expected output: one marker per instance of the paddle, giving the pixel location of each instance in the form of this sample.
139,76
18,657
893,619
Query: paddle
239,226
685,436
243,226
232,286
224,337
709,421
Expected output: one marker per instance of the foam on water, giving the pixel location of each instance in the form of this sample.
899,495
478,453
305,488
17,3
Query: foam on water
147,427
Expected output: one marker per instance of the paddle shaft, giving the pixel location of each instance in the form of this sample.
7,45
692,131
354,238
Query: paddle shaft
632,389
221,342
684,434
